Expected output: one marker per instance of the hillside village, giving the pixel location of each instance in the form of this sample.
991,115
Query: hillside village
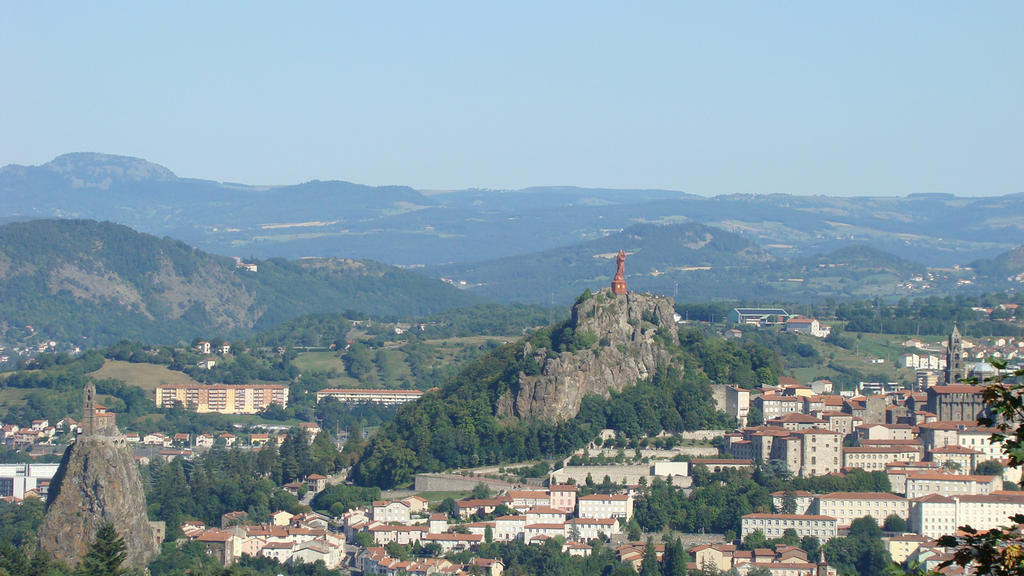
941,467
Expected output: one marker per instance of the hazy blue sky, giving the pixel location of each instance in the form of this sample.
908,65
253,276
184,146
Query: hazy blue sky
881,98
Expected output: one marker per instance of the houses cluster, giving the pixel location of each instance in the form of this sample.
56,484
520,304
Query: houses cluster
287,538
18,437
183,445
782,560
25,350
375,560
530,516
939,461
932,356
208,348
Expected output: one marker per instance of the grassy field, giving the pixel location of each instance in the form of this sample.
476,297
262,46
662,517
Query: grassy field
145,376
863,357
10,397
319,362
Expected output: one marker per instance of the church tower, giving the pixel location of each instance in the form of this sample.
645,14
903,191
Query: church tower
954,357
89,409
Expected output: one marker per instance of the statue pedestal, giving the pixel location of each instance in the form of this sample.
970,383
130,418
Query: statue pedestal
618,286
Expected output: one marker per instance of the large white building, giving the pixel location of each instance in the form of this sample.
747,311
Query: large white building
936,515
806,325
775,525
848,506
222,398
925,483
16,479
606,506
360,396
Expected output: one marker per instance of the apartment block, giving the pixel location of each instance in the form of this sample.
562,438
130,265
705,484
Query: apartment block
775,525
848,506
223,398
362,396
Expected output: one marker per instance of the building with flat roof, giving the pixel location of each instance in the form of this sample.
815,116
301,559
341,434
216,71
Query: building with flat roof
775,525
16,479
360,396
848,506
223,398
758,316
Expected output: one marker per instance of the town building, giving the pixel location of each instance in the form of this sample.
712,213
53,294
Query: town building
775,525
956,402
924,483
361,396
805,325
613,506
17,479
223,398
758,316
848,506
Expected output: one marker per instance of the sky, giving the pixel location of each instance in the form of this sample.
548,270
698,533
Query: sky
833,98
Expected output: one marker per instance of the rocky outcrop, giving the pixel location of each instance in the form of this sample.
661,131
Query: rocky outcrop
621,348
97,482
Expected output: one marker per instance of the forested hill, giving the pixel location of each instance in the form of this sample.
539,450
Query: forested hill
690,262
92,284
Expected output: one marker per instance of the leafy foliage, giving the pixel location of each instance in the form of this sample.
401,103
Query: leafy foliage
1000,551
338,498
861,552
457,427
222,481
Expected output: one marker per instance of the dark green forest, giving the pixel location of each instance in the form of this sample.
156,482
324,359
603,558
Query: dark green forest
457,426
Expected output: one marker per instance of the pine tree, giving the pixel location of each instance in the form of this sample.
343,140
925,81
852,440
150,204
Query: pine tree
649,565
106,554
673,562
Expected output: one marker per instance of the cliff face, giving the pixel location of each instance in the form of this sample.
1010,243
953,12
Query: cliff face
624,351
97,482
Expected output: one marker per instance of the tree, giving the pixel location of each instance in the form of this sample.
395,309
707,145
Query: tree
649,565
1000,551
449,507
673,562
812,546
633,530
364,539
106,554
862,552
481,491
894,523
325,455
755,539
989,468
788,503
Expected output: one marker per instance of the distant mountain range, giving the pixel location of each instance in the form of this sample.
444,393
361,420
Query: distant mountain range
92,284
692,263
402,226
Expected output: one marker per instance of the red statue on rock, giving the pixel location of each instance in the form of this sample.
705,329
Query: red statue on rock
619,282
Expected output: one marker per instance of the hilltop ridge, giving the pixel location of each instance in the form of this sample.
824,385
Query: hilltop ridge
614,344
93,283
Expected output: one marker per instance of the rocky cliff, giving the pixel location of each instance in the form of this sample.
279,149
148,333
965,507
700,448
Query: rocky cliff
97,482
617,347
